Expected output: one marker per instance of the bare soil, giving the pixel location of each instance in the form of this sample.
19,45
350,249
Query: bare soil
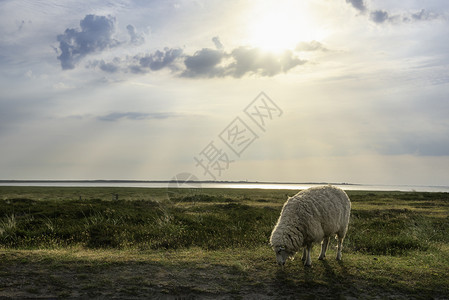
33,274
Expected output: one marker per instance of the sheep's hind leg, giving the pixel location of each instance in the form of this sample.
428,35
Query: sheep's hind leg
308,261
304,254
339,246
324,245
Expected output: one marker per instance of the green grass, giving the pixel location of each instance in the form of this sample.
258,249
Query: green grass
212,242
206,221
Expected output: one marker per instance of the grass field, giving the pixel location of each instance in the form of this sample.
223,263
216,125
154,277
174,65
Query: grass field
139,243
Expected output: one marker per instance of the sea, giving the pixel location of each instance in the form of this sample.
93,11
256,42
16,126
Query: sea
225,184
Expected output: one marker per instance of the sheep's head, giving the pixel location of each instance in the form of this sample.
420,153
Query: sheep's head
282,253
284,247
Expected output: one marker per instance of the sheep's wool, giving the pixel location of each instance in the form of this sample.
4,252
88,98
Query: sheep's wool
311,216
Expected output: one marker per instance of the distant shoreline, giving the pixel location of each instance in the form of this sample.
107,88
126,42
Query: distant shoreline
166,181
173,181
205,184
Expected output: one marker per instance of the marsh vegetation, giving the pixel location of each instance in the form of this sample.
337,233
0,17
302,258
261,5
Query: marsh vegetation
137,242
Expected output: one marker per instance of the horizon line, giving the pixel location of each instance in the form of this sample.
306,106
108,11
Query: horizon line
197,181
171,180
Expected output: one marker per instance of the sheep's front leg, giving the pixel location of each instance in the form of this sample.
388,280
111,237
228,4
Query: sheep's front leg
324,245
308,261
304,254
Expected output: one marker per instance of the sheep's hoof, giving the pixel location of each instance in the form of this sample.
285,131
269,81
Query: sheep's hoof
308,263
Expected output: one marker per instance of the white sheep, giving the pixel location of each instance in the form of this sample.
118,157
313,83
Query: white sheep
311,216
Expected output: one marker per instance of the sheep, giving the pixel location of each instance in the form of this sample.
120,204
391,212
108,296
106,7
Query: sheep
311,216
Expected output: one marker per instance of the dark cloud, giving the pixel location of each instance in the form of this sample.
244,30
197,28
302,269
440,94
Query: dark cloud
310,46
204,63
379,16
140,64
160,59
137,69
95,35
240,62
358,4
136,116
110,67
217,43
135,38
382,16
424,15
208,63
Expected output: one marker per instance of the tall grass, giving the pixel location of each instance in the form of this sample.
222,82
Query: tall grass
214,221
142,224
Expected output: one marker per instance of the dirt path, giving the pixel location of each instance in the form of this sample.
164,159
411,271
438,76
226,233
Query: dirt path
33,276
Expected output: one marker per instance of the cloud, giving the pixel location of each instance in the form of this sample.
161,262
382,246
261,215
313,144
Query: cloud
111,67
239,62
382,16
310,46
204,63
217,43
424,15
379,16
135,38
207,62
256,61
140,64
95,35
358,4
135,116
160,59
252,60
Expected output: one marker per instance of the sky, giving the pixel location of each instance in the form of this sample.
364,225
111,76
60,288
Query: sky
297,91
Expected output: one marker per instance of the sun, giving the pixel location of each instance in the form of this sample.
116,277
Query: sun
276,26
